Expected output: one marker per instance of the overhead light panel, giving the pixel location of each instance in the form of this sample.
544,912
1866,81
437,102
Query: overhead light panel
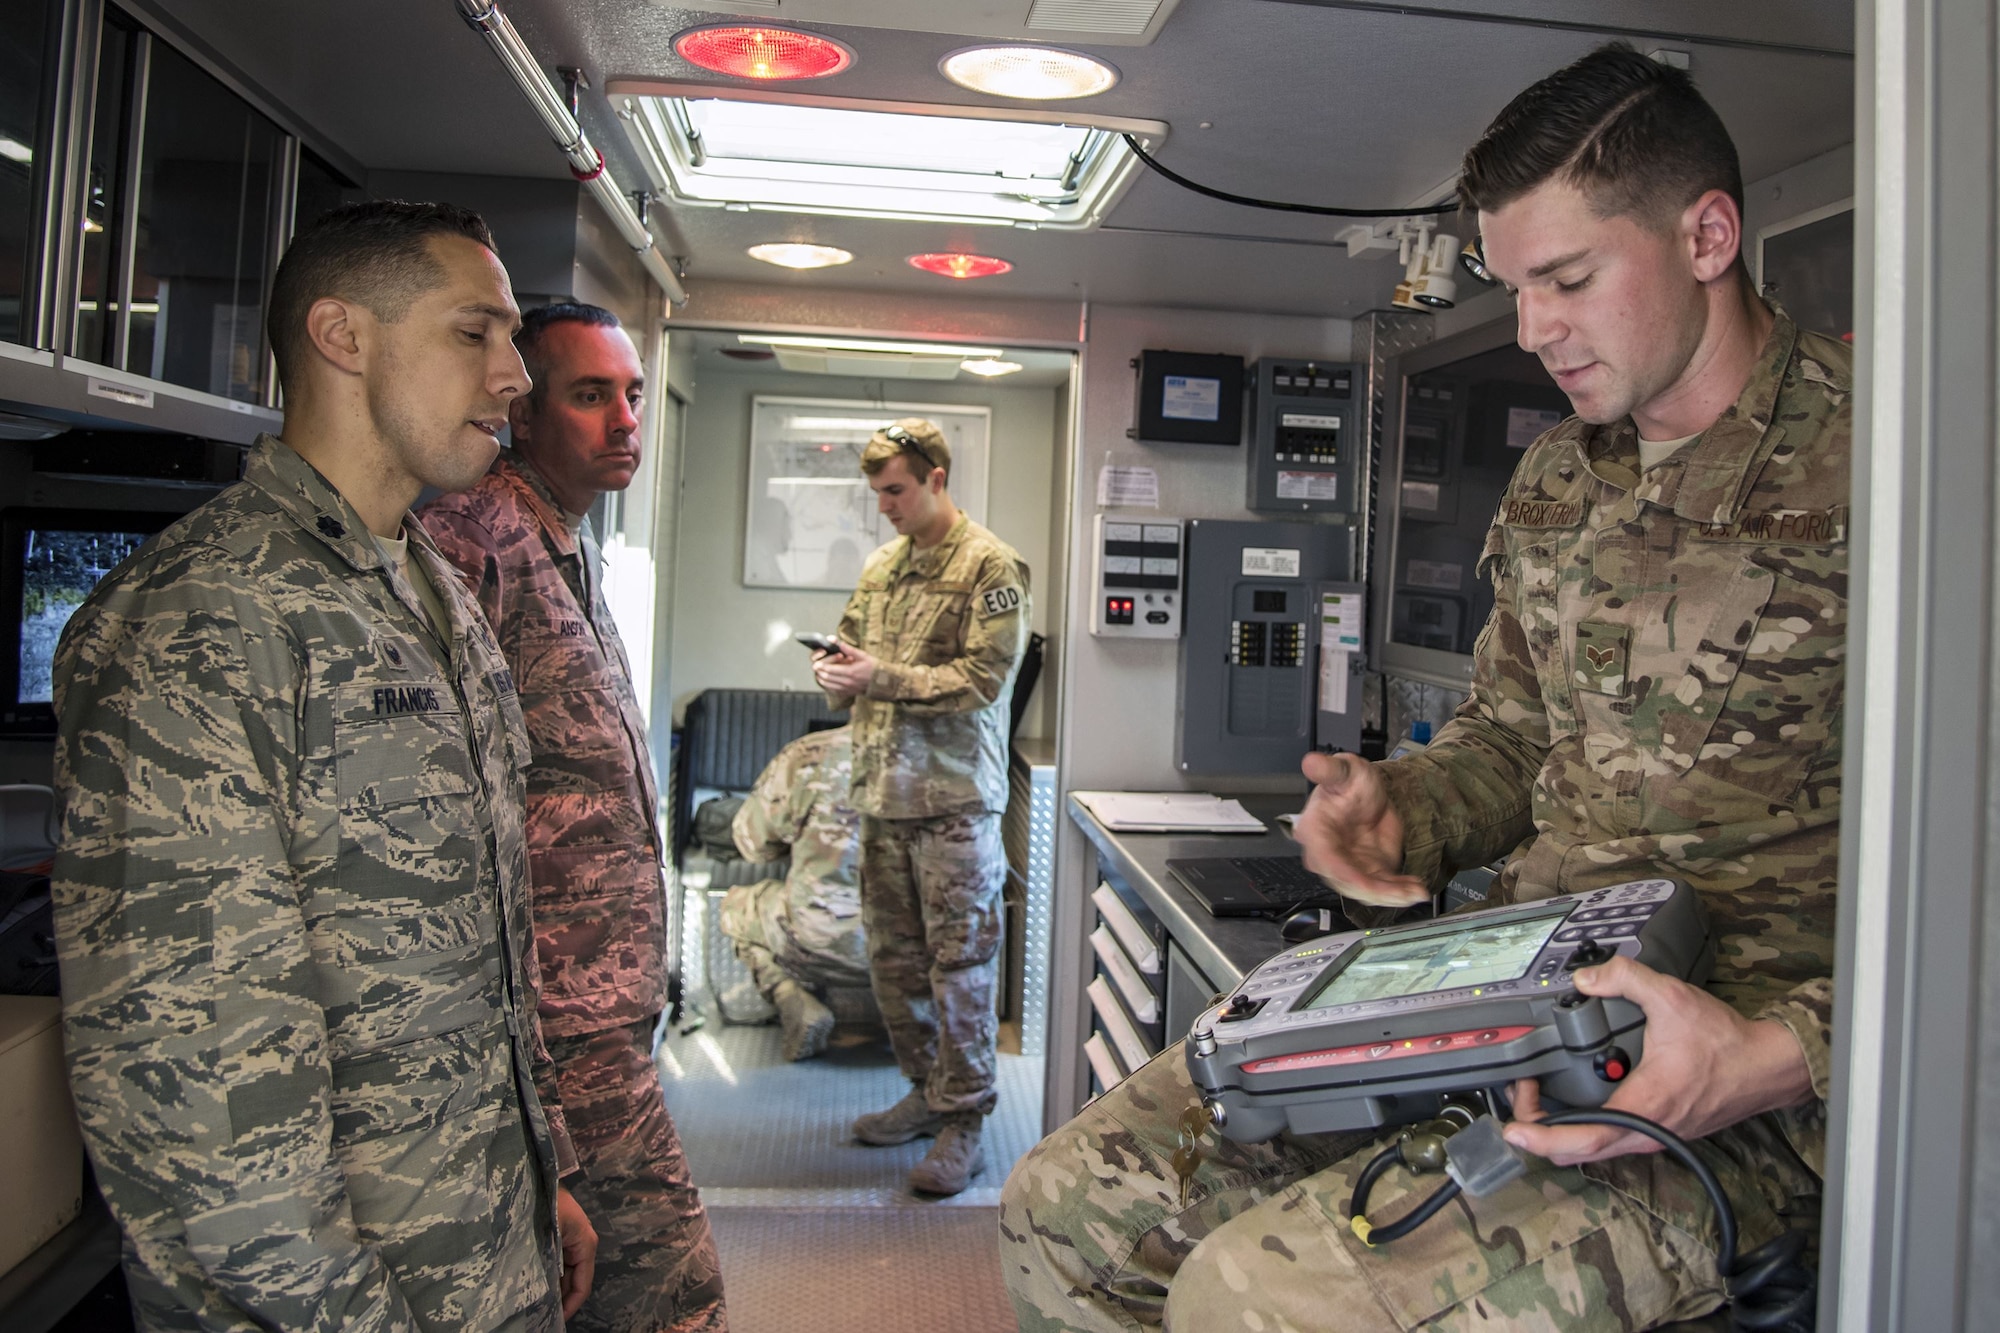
864,345
746,51
1032,73
988,367
798,254
954,265
772,152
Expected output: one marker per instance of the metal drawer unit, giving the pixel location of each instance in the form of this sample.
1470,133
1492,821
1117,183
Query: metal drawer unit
1128,994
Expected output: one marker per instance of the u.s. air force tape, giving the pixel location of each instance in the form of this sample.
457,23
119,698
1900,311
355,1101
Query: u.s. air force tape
999,601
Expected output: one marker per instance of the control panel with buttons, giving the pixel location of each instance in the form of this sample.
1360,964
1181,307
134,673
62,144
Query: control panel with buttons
1374,1028
1138,574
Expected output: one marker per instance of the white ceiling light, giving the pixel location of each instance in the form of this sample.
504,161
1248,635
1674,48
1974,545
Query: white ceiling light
16,151
865,345
989,367
797,254
1036,73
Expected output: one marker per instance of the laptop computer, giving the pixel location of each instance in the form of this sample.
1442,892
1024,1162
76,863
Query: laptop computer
1255,886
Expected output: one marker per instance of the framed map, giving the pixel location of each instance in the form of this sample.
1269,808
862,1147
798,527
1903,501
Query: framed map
811,519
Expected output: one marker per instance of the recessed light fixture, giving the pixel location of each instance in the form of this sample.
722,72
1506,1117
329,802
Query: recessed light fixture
798,254
1036,73
961,266
864,345
746,51
989,367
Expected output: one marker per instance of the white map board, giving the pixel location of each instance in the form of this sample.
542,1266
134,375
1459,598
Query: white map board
812,519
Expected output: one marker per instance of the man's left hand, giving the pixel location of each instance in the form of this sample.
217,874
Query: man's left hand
579,1251
844,674
1704,1067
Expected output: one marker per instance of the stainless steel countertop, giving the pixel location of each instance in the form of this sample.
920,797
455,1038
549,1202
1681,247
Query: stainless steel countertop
1224,948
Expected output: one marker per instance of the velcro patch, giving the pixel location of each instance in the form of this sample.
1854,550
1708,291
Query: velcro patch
999,601
1542,513
1796,527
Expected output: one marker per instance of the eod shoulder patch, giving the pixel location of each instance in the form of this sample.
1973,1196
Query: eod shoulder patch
999,601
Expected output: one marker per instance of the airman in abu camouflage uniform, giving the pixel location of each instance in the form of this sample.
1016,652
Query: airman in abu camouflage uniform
525,548
1657,692
931,639
805,930
291,896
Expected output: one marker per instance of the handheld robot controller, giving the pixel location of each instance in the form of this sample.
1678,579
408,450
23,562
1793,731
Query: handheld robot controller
1377,1028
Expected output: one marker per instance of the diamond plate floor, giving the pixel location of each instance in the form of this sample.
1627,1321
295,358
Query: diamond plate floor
760,1131
818,1233
861,1270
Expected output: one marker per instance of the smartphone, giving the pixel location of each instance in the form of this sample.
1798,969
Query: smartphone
819,643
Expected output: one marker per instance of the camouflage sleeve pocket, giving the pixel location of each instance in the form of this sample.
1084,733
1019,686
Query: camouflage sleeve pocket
138,960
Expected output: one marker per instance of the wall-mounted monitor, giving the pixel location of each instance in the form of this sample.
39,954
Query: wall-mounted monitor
1461,414
50,559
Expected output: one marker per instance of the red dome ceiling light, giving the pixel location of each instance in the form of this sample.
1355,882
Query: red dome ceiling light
961,266
746,51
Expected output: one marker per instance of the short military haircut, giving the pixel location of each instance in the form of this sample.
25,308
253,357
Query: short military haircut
913,438
376,254
535,325
1632,134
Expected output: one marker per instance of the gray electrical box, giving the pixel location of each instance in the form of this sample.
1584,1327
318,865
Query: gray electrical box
1249,667
1304,429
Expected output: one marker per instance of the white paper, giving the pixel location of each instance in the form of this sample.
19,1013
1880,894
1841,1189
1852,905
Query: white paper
1525,425
1435,574
1277,561
1191,398
1340,622
1168,811
1332,681
1127,487
1308,485
1422,495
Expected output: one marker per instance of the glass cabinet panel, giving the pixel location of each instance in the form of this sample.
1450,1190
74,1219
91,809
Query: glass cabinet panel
206,227
24,66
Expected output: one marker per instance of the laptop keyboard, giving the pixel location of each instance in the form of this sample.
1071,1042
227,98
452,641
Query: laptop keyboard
1282,878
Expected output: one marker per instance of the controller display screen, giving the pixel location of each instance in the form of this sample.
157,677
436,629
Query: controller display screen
1467,953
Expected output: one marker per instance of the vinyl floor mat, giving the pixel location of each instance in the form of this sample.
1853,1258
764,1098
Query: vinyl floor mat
761,1131
861,1270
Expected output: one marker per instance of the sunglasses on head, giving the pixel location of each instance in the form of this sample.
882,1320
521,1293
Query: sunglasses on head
902,439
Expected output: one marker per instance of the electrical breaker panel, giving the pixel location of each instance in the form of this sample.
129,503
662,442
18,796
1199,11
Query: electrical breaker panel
1138,578
1251,692
1304,437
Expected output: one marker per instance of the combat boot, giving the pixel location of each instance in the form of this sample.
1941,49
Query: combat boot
954,1159
908,1119
807,1022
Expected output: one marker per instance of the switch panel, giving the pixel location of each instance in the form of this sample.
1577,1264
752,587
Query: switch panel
1138,577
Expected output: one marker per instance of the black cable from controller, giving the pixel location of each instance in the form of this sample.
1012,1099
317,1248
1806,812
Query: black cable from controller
1769,1290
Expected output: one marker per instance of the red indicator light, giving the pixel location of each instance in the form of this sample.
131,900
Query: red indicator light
961,266
747,52
1354,1055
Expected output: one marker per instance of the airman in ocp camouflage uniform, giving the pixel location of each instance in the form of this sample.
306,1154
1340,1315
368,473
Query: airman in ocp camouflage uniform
292,907
521,539
1657,692
803,931
936,630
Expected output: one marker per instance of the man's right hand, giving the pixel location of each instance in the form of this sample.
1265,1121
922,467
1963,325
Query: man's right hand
1352,835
